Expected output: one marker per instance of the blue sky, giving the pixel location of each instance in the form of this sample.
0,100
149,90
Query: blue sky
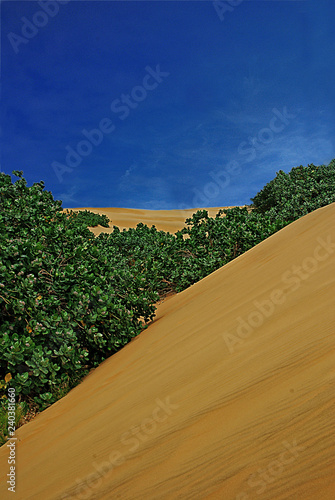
191,103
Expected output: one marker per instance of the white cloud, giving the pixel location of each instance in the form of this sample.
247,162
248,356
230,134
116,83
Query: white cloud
69,196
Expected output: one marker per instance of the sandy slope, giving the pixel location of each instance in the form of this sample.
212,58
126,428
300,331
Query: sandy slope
201,405
164,220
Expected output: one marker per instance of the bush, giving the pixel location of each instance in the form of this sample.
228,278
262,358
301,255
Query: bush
89,219
65,305
297,193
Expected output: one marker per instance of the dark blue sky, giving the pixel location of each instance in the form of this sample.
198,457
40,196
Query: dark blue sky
197,105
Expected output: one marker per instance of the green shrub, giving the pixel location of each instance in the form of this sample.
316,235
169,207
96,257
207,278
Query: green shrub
302,190
89,219
65,305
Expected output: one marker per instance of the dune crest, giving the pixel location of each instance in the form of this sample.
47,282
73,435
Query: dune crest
165,220
227,395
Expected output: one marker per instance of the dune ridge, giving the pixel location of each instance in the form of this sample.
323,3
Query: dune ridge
165,220
227,395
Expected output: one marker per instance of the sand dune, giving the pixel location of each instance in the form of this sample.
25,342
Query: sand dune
227,395
164,220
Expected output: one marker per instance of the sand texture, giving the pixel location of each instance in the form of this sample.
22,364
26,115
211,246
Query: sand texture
228,395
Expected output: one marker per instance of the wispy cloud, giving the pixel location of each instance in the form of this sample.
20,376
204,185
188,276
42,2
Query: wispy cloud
68,197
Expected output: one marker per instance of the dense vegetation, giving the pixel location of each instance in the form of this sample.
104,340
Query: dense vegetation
297,193
68,299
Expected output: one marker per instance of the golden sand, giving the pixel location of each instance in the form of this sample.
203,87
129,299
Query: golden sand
165,220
